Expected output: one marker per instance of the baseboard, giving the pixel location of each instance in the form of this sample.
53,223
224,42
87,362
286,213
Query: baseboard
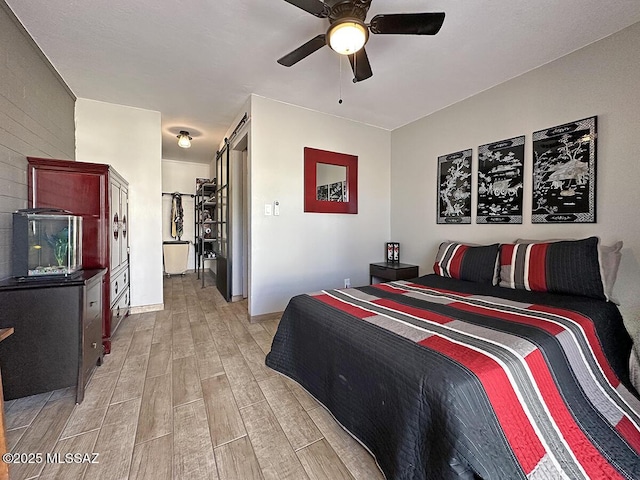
265,316
147,308
190,270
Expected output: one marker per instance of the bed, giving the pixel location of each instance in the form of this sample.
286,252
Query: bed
446,378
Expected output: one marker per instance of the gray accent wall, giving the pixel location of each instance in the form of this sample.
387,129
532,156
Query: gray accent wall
36,119
601,79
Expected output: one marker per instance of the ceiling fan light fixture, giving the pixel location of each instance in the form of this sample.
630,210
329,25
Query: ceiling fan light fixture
184,140
347,36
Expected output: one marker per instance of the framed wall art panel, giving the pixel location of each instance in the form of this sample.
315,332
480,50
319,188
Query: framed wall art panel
564,173
500,175
454,188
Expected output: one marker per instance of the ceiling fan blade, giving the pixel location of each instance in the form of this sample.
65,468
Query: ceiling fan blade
314,7
303,51
360,65
407,23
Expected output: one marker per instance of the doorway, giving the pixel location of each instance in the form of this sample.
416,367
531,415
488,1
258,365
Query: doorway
239,216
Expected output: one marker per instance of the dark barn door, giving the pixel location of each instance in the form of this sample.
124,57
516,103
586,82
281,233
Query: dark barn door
223,264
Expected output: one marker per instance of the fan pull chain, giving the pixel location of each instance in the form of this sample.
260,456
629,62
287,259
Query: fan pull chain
340,82
355,67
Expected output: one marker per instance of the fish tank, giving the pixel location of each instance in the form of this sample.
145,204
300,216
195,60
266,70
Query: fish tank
46,243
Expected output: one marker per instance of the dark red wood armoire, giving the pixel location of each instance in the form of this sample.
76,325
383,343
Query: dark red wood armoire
100,195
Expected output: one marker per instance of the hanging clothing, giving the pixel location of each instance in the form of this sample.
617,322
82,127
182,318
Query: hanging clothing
176,216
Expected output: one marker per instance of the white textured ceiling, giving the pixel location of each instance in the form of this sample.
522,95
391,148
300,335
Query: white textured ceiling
197,61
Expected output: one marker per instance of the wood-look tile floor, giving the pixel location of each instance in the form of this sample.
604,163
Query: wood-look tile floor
185,394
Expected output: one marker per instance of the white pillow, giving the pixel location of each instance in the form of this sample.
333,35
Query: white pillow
609,257
610,261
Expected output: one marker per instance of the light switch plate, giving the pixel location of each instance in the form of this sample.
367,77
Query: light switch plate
267,209
276,208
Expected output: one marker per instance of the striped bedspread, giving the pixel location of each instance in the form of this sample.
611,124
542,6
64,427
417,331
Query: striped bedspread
447,379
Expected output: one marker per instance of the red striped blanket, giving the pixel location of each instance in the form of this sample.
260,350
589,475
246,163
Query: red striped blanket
509,386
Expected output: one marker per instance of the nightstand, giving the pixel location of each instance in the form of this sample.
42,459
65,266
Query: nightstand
392,271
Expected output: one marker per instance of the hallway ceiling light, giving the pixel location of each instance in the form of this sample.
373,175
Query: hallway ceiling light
184,140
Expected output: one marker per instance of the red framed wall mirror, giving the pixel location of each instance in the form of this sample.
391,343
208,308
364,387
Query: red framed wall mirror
330,182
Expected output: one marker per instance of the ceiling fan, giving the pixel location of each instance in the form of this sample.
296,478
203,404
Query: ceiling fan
347,33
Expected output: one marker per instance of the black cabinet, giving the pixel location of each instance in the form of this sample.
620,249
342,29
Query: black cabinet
57,340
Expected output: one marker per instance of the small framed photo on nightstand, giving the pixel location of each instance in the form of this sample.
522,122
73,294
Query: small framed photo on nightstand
393,252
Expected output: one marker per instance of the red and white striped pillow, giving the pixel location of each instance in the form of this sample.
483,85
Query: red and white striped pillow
467,262
609,257
570,267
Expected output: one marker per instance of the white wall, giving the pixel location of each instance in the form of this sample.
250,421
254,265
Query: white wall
299,252
130,140
178,176
601,79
